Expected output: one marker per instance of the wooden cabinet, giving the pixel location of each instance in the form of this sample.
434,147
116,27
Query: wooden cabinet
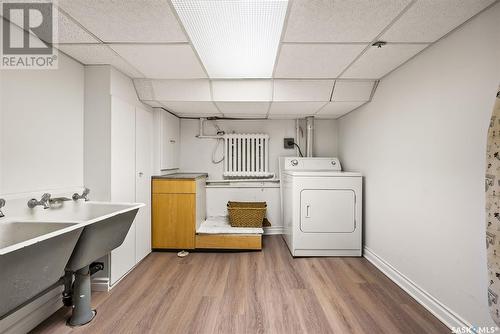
178,207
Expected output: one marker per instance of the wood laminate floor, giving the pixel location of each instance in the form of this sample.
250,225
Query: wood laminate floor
253,292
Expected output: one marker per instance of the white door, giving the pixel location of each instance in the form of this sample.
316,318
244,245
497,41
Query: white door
123,179
327,210
144,168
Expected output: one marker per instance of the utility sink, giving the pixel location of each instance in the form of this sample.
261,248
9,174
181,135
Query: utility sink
37,246
32,257
15,232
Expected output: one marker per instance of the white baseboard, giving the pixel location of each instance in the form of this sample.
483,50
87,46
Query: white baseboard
100,284
29,316
273,230
432,304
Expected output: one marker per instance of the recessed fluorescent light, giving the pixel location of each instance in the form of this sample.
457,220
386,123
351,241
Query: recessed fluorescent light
234,38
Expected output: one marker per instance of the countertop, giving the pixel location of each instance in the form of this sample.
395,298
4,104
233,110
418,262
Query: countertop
183,176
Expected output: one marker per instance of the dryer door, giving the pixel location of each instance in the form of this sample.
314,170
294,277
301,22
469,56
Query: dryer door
327,210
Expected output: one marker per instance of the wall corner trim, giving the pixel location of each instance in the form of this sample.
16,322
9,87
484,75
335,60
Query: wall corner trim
432,304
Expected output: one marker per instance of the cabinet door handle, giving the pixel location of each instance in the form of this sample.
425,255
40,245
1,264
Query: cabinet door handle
141,174
172,141
308,211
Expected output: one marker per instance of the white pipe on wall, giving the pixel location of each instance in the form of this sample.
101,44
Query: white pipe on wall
309,136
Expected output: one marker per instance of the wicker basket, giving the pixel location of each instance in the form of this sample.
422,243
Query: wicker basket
246,214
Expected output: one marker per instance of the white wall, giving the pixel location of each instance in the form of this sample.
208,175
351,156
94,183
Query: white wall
195,154
41,149
41,128
421,146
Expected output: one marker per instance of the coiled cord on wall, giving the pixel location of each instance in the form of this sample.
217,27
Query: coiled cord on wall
216,147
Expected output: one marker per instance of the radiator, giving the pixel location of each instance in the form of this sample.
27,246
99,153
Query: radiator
247,156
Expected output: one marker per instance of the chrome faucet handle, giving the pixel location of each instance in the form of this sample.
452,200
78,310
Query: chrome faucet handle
44,201
84,195
2,204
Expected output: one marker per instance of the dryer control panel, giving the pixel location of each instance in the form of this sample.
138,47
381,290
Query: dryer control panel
309,164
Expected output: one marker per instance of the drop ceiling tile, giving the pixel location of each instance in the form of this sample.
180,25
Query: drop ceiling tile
139,21
337,109
182,90
377,62
289,109
315,60
175,61
242,90
191,109
71,32
243,109
302,90
340,20
347,90
99,54
429,20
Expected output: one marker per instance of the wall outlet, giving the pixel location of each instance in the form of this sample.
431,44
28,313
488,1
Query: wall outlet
288,143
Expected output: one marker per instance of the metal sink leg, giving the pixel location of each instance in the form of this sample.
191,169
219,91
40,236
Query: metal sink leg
82,310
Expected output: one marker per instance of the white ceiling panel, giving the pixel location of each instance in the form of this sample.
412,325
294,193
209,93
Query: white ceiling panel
71,32
337,109
294,109
428,20
346,90
242,90
182,90
340,20
243,109
315,60
99,54
138,21
302,90
144,89
191,109
176,61
377,62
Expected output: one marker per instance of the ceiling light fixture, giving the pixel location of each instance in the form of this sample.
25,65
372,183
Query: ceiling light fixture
234,38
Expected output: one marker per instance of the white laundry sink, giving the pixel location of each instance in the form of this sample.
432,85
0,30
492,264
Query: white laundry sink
37,245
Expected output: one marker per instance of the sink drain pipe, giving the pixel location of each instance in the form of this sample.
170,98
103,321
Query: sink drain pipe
82,309
78,293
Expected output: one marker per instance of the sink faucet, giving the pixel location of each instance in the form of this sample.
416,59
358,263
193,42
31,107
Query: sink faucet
2,204
45,201
84,195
